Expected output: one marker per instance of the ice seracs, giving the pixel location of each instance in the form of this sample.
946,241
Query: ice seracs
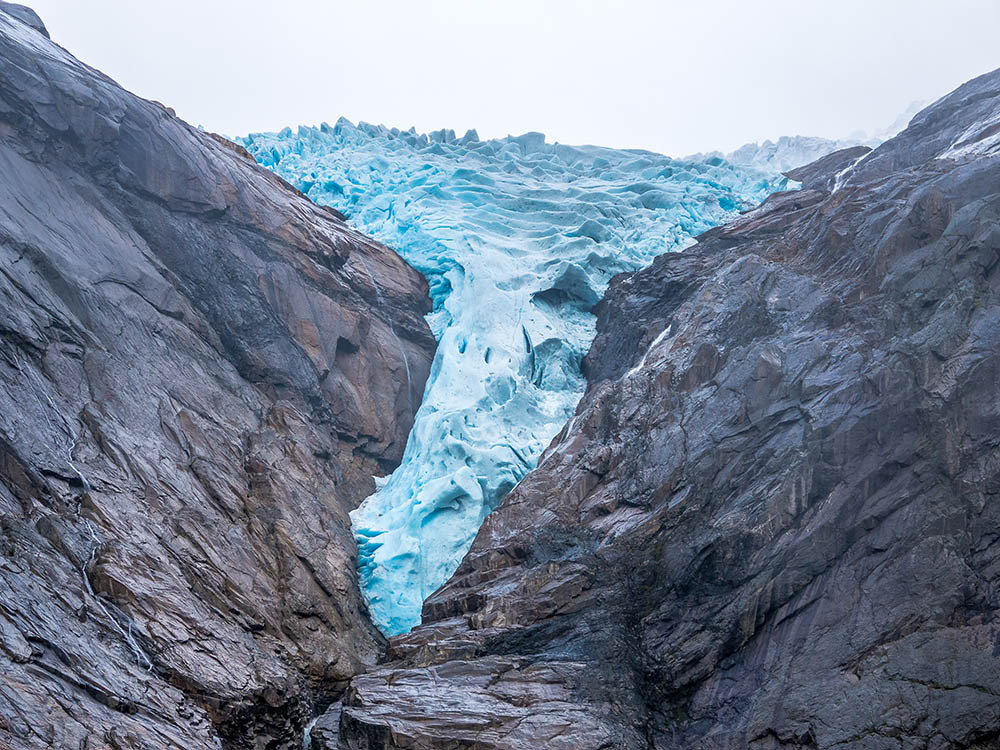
518,239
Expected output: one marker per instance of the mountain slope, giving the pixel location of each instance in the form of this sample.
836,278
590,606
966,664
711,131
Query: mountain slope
772,522
201,370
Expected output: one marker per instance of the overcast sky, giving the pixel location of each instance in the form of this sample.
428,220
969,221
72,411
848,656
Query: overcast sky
674,77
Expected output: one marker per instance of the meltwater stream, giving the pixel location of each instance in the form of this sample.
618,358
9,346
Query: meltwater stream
518,239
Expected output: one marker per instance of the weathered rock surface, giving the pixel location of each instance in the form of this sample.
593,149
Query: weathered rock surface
200,371
823,173
25,15
773,521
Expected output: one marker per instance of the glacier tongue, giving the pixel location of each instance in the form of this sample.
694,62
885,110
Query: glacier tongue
518,239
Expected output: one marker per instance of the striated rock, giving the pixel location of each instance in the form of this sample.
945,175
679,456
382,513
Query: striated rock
201,371
772,522
325,729
25,15
823,173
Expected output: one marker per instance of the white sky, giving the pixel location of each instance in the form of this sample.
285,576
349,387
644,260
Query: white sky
675,77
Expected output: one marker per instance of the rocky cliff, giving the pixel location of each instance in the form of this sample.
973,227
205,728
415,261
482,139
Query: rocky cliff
772,522
201,371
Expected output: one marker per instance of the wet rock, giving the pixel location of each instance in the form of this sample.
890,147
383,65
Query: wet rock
25,15
201,371
324,734
822,174
772,520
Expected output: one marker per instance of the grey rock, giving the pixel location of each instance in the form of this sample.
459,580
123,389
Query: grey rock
772,522
325,731
200,371
965,116
25,15
822,174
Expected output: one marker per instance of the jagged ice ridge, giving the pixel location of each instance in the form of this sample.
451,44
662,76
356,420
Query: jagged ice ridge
518,239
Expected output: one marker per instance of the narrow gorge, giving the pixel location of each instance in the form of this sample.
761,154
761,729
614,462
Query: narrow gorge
518,239
349,437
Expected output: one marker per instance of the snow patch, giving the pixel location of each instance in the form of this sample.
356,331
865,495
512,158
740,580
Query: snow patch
982,138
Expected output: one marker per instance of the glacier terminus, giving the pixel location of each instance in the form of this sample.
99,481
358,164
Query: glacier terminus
518,238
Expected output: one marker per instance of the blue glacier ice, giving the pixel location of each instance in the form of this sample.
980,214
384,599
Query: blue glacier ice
518,238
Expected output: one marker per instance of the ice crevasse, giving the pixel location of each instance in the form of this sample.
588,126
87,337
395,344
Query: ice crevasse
518,239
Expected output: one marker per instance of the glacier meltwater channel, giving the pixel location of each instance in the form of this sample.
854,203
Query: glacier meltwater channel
518,239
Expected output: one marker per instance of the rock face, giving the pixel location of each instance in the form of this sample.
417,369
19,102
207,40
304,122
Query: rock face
201,371
772,522
825,172
25,15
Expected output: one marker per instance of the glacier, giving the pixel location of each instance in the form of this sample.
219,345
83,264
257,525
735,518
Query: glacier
518,239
